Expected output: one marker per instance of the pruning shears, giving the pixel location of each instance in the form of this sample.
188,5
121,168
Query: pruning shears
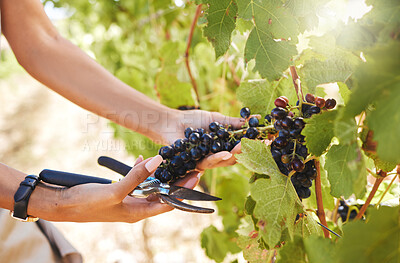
167,193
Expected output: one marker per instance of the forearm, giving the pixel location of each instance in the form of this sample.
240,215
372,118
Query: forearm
67,70
43,201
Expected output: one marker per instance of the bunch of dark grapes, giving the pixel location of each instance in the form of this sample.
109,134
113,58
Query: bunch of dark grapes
282,126
288,149
343,211
182,156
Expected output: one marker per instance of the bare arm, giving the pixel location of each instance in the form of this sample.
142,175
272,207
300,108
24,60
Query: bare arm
67,70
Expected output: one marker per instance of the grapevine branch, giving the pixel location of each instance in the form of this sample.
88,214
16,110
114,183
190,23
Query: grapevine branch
378,181
296,83
189,42
320,205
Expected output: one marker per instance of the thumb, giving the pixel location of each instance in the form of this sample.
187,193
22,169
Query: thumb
137,175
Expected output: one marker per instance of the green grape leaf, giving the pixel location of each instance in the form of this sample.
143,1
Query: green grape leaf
276,207
217,244
354,36
168,84
292,252
271,21
346,170
221,17
320,249
376,240
226,185
251,249
333,69
375,77
319,132
259,95
257,157
276,199
272,57
344,92
384,121
307,226
345,128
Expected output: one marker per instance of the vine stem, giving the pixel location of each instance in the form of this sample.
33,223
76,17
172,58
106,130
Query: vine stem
297,84
320,205
378,181
189,42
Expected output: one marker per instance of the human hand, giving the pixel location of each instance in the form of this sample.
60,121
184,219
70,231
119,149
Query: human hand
111,203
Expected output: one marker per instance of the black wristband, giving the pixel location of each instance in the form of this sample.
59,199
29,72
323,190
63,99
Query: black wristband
21,197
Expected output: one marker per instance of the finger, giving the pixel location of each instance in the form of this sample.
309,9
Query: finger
139,160
212,160
189,181
137,175
236,123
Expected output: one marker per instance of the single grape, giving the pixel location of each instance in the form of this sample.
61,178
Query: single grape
196,153
188,131
295,133
253,122
181,171
205,149
305,107
281,142
278,125
179,145
206,139
166,152
222,134
330,103
190,165
306,183
213,135
165,176
284,133
298,165
245,113
252,133
276,154
216,147
268,118
303,192
299,123
176,161
287,123
319,102
314,110
200,131
285,158
279,102
194,138
157,173
302,151
310,98
185,156
285,99
228,146
278,113
214,126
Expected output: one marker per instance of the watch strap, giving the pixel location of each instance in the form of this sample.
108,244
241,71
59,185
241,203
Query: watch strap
21,197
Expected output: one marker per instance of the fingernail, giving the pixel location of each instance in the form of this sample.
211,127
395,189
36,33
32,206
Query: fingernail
153,163
227,156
